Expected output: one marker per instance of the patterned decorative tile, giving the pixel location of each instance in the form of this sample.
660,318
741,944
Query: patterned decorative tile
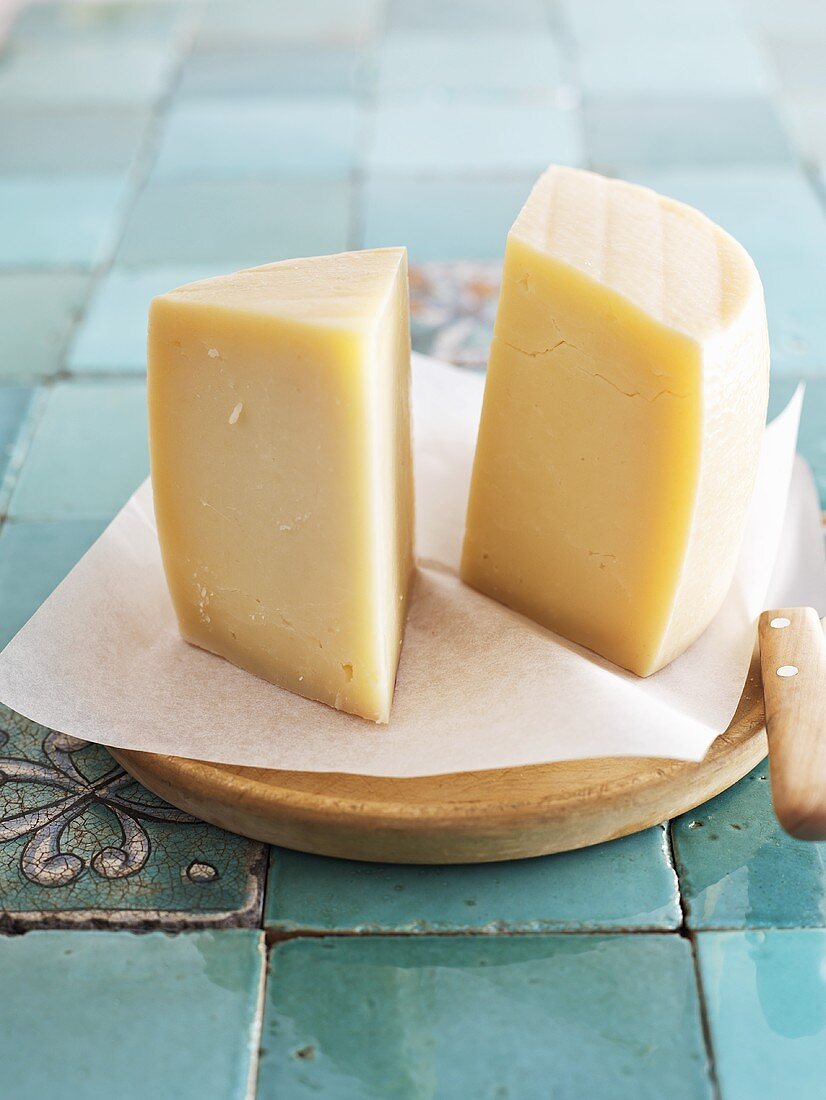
90,73
129,1016
434,139
15,402
34,559
321,22
683,64
88,453
430,63
49,141
97,20
38,311
255,138
443,219
61,223
628,883
483,1016
81,843
260,69
652,132
738,869
765,995
112,335
452,310
463,16
201,222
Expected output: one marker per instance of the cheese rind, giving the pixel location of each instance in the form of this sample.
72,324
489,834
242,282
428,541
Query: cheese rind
282,472
623,413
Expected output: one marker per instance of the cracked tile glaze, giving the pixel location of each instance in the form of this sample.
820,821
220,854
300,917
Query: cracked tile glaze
82,842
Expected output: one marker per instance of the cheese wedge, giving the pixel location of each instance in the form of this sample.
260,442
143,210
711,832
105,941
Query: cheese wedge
281,467
623,414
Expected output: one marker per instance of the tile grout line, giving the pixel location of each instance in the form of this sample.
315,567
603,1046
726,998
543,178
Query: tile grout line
257,1030
705,1022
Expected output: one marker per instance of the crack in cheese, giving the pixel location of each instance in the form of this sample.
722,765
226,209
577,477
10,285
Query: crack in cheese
282,473
623,413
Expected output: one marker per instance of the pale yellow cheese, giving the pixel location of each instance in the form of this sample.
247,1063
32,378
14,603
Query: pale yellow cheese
281,469
623,413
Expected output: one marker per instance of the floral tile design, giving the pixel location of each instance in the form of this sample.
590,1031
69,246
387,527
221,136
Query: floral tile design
452,309
83,844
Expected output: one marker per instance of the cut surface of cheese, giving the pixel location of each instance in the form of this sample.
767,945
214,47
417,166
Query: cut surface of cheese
281,468
624,408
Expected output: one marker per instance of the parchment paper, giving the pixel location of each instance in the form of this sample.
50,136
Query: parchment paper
478,687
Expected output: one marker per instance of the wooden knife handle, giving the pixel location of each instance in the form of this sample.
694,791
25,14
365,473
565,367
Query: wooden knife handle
793,662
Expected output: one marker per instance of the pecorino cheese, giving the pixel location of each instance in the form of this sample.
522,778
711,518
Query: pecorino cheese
623,413
282,474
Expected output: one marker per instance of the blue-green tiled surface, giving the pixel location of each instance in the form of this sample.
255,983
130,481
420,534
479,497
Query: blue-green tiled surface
193,221
38,310
50,222
146,143
246,138
765,994
526,1017
87,455
629,883
93,1015
738,869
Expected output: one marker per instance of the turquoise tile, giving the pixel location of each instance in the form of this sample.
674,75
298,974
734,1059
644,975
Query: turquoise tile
260,69
51,140
464,16
812,439
88,453
99,20
60,223
15,403
38,311
34,559
684,64
89,73
441,219
248,138
104,850
435,139
483,64
112,335
130,1017
651,132
738,869
798,59
184,222
495,1016
590,19
765,995
628,883
316,22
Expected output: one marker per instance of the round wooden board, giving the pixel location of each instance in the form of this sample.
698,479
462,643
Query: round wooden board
470,817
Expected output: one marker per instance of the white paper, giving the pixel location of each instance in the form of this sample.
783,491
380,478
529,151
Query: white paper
479,686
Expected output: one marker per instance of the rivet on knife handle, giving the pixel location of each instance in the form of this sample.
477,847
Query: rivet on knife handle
793,662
